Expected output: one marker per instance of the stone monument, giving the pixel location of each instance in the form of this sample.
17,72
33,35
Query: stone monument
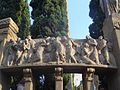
62,54
53,54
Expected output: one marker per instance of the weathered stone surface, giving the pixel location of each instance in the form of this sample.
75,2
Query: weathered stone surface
8,31
8,22
112,32
59,50
110,7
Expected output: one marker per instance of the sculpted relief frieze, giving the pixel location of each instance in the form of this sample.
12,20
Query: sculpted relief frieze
59,50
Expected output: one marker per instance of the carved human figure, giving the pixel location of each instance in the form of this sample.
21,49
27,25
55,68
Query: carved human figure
50,49
85,53
93,45
19,50
109,6
70,52
32,48
117,25
11,53
59,50
41,49
103,50
26,48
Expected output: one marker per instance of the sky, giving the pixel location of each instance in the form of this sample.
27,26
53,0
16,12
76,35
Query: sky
79,20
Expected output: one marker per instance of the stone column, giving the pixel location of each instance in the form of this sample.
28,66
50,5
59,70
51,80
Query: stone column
28,79
88,77
58,78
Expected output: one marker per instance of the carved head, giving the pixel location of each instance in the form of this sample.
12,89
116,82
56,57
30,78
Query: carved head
100,37
58,38
29,37
88,37
64,38
43,41
18,39
26,41
86,45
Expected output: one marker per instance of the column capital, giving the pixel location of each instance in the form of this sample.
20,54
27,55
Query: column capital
58,74
90,74
27,75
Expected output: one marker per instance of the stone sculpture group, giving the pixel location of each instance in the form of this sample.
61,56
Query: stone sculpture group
59,50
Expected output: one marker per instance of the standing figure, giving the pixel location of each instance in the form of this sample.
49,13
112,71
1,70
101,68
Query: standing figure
93,45
70,52
59,50
40,50
109,6
103,50
11,53
26,48
19,50
31,51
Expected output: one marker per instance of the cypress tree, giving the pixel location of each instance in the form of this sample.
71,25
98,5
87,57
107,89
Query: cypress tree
18,10
50,18
11,8
98,17
25,20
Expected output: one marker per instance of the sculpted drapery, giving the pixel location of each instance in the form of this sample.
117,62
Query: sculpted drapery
109,6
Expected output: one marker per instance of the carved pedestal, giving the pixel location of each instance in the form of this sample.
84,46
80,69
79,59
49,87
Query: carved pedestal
88,79
58,79
28,79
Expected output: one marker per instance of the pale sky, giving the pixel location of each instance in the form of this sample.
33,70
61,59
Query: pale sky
79,18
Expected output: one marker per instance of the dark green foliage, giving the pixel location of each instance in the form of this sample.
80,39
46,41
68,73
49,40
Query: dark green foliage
66,78
11,8
25,20
98,17
18,10
14,81
50,18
